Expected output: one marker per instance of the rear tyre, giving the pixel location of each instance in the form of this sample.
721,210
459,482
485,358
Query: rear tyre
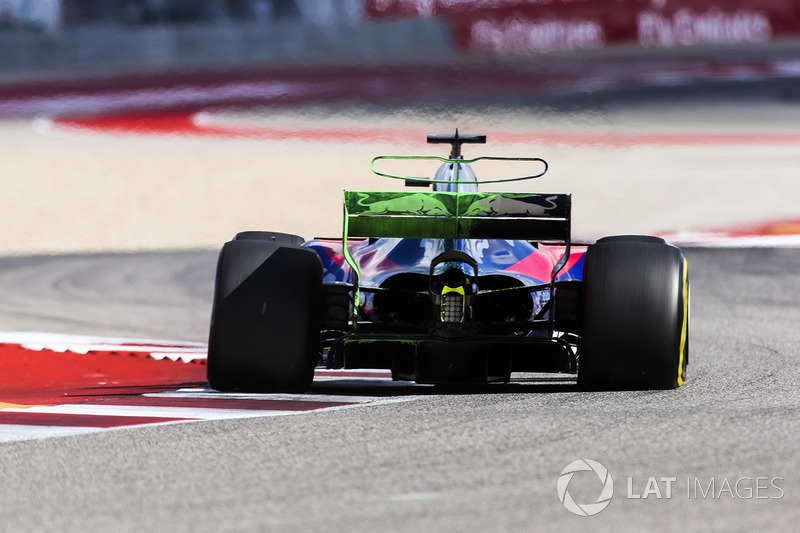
635,316
274,236
633,238
265,317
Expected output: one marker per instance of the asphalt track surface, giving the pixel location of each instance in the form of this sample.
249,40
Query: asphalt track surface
485,459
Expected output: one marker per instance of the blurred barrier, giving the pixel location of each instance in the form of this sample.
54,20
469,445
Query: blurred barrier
109,48
123,35
32,14
518,26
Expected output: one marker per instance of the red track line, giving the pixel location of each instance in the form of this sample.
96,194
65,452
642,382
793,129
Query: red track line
184,124
49,378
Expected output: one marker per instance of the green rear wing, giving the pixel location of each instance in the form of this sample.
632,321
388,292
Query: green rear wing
451,215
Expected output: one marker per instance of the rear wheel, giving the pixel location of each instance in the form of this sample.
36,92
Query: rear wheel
265,318
274,236
632,238
635,315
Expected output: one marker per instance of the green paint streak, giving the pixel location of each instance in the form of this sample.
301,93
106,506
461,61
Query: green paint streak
452,204
407,228
412,342
350,261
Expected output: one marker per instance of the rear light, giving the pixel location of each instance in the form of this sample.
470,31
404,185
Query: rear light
452,305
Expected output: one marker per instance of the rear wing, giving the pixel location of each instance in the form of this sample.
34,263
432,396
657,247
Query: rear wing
450,215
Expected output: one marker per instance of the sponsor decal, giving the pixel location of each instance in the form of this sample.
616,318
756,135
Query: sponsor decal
518,26
530,35
686,27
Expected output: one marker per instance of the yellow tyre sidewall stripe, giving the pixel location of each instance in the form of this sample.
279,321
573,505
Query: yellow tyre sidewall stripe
685,325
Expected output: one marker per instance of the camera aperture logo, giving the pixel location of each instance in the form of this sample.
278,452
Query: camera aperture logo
585,509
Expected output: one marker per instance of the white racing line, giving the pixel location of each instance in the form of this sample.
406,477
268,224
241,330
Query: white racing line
723,240
56,342
84,418
157,98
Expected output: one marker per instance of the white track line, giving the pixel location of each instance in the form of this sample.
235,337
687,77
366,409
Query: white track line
135,411
174,350
711,240
13,433
206,394
157,98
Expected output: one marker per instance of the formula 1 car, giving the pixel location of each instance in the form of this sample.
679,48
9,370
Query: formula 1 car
450,286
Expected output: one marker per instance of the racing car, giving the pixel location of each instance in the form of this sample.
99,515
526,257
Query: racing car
442,284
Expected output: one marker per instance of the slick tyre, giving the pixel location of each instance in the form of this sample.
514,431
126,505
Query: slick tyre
274,236
635,316
632,238
265,317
